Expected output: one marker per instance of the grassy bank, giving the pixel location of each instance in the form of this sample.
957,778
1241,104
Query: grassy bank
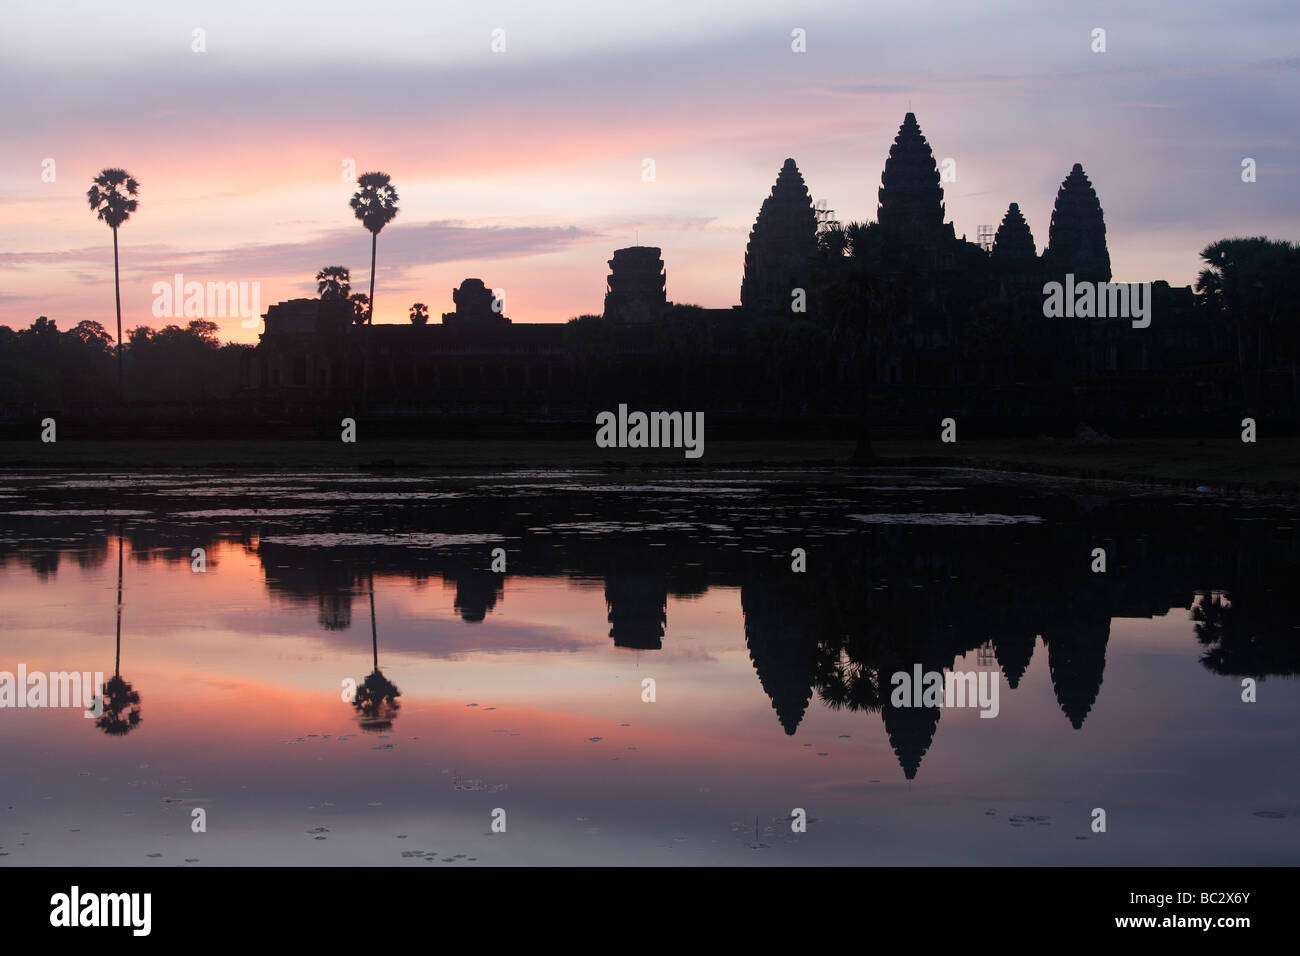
1183,461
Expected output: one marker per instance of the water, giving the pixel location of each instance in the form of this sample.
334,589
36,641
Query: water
518,698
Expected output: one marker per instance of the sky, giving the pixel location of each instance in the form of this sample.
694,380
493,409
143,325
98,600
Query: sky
523,166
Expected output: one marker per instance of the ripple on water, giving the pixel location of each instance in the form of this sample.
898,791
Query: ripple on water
947,518
359,539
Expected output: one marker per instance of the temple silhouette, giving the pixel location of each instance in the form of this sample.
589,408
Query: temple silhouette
897,321
952,327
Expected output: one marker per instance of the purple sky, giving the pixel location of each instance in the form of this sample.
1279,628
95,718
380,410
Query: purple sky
524,167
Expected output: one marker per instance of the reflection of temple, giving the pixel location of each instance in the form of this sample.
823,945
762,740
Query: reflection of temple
1076,658
882,599
477,593
1014,648
638,608
783,644
911,731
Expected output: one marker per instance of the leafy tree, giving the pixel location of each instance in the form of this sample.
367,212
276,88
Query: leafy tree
1254,285
360,307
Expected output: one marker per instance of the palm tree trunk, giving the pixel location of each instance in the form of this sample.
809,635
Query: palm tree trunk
117,658
374,238
370,315
374,635
117,292
863,453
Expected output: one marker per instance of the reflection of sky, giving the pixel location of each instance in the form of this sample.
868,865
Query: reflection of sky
524,167
227,674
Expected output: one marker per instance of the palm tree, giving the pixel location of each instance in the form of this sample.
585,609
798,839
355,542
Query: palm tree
375,204
360,307
419,314
376,700
111,197
334,282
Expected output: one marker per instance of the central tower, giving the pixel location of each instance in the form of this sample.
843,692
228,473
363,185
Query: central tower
911,199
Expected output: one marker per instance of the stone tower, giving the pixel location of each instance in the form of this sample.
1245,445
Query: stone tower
1014,243
782,241
475,306
1076,241
636,286
911,199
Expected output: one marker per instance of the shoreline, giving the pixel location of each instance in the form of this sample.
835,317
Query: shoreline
1224,466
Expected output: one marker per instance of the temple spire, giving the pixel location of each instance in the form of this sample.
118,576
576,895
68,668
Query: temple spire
911,199
1076,241
1014,242
781,243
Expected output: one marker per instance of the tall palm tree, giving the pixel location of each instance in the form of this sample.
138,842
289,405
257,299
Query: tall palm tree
111,198
375,204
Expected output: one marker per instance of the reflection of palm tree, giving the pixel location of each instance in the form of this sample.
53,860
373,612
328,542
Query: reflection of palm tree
376,699
121,712
1249,632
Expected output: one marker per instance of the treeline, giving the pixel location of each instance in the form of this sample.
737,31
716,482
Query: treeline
45,366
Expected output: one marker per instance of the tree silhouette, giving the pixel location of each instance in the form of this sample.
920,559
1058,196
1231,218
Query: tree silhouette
112,199
869,285
419,314
121,703
1253,284
360,307
1251,630
375,204
376,699
334,282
